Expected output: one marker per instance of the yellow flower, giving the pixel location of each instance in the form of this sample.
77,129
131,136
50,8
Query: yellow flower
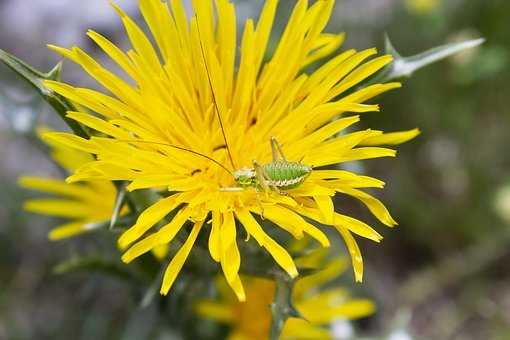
319,308
170,99
422,6
88,206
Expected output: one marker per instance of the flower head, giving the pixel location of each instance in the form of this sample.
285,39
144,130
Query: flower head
195,112
319,307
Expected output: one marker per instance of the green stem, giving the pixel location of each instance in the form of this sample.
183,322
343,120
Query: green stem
282,307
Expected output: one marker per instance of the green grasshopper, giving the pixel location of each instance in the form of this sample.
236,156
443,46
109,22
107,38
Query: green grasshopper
278,175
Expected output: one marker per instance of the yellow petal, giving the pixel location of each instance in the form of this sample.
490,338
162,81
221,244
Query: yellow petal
71,229
263,31
310,188
178,260
113,52
153,181
215,311
139,40
324,71
366,153
57,187
164,236
161,251
361,73
69,140
325,205
346,178
98,124
351,155
282,218
370,91
59,207
230,257
158,18
295,328
141,247
322,309
392,138
307,284
352,247
357,227
374,205
311,259
299,148
280,255
325,45
80,97
238,288
214,237
147,219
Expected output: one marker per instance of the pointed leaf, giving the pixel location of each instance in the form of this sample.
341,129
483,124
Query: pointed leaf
36,79
404,67
55,73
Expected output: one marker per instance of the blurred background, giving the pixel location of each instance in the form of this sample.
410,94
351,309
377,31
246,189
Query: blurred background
442,273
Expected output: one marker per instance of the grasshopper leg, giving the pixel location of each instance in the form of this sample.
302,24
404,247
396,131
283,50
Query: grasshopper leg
259,201
231,189
276,148
261,176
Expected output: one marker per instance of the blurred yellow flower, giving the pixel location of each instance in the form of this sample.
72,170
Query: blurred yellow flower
319,307
87,205
422,6
170,100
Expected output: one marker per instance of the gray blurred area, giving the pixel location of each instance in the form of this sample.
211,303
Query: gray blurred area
442,273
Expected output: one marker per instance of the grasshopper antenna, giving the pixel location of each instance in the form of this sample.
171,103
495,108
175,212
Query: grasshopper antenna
216,107
178,148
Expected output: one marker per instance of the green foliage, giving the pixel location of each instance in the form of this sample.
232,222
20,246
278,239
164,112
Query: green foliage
36,78
95,263
405,67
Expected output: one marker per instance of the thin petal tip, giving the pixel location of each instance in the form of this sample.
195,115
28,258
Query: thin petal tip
123,243
126,259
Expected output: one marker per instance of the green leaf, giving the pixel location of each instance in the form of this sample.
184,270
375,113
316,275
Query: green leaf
36,78
404,67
